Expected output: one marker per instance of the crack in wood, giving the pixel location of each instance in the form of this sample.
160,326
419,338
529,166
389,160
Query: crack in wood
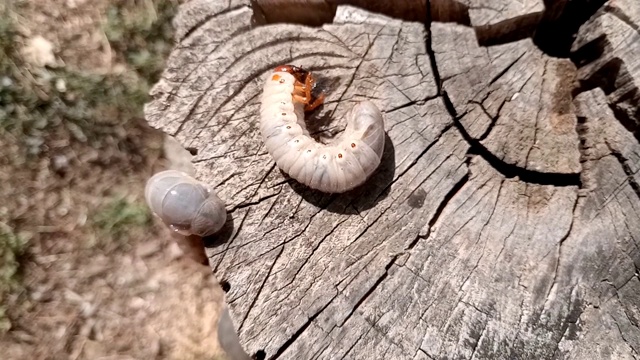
484,226
476,147
228,244
252,203
266,278
573,317
477,344
416,160
536,125
510,170
627,169
300,330
208,18
622,333
372,288
292,238
505,70
559,251
313,251
344,356
410,104
430,53
440,209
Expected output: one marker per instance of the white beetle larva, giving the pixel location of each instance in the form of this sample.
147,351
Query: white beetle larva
334,168
185,204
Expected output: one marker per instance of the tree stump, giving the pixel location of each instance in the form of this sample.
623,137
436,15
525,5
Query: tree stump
504,220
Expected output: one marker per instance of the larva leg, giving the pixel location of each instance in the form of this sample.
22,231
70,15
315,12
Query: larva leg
308,85
307,101
309,82
302,93
300,98
317,102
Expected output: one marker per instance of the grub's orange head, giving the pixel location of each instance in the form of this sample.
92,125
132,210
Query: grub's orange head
299,73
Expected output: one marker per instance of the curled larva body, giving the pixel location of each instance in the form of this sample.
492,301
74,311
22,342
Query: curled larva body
335,168
185,204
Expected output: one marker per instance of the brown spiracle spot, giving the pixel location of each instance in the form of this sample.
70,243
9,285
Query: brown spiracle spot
339,155
288,127
284,114
353,145
281,81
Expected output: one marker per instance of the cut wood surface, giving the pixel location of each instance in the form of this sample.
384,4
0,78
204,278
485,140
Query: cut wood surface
503,222
609,47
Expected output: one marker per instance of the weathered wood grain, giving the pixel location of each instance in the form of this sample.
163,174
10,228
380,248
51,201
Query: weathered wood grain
607,48
494,21
514,100
503,222
492,12
484,14
607,137
628,10
604,247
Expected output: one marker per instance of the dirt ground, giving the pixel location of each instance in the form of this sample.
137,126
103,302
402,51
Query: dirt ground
88,273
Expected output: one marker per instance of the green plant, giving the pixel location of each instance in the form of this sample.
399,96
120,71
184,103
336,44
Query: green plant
93,108
120,216
12,248
141,31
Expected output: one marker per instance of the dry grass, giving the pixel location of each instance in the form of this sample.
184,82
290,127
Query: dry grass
84,271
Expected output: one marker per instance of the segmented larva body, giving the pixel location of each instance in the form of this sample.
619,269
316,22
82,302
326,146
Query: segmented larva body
185,204
338,167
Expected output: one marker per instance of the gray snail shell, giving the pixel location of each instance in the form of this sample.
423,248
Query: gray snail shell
185,204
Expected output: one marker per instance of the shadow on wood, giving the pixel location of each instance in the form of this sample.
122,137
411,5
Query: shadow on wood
222,236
